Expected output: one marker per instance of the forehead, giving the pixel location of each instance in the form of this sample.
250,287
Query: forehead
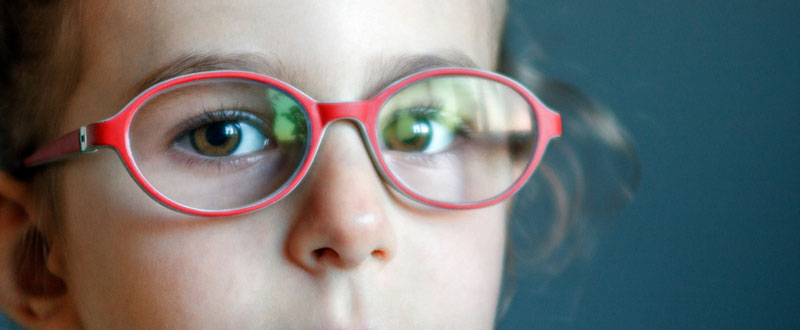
333,50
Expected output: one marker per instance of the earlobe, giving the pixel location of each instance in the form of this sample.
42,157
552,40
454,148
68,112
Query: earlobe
29,293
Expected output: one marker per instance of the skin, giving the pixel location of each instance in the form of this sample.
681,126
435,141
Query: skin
342,251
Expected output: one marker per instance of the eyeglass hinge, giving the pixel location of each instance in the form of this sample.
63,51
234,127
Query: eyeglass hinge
83,141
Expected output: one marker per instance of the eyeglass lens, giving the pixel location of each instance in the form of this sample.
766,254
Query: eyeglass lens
457,139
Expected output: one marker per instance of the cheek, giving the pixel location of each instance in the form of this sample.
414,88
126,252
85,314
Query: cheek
127,255
455,262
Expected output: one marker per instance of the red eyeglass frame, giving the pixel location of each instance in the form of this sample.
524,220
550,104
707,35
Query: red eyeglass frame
114,133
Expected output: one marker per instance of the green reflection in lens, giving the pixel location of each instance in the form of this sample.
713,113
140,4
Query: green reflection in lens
290,123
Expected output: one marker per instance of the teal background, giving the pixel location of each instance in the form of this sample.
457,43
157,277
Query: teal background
709,91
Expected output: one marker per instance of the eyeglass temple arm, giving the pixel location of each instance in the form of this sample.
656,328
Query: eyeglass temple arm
551,124
74,143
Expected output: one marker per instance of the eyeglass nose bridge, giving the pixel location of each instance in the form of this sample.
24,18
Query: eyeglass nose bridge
329,112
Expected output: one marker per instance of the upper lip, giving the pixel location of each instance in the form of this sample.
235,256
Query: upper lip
343,304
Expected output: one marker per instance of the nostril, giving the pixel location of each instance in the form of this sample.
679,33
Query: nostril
318,253
379,254
325,253
330,256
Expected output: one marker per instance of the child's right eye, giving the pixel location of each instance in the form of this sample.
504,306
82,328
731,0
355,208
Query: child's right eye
224,138
225,133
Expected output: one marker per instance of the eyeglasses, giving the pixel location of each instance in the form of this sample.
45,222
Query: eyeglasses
223,143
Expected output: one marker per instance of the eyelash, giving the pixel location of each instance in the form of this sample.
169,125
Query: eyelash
463,128
209,116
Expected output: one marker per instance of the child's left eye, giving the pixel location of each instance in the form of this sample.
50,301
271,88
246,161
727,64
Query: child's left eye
224,138
411,131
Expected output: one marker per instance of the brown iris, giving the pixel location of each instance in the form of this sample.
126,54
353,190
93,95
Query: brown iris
217,139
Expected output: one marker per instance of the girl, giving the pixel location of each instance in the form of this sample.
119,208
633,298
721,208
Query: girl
230,209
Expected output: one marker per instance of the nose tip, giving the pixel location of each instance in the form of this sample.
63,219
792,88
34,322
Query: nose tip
352,247
335,244
352,243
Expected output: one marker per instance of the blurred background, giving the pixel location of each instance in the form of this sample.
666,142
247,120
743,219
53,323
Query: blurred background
710,93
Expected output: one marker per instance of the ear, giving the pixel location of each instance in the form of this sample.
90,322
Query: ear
30,293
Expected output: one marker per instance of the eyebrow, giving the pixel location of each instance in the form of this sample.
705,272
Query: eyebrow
387,71
192,63
382,72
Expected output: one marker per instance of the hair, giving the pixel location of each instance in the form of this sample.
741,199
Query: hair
35,83
585,178
588,174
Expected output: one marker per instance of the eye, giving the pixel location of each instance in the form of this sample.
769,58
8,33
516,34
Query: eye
415,131
224,138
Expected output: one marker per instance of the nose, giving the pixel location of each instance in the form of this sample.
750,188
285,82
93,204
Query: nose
342,222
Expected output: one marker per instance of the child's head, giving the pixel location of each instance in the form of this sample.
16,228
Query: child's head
343,250
84,245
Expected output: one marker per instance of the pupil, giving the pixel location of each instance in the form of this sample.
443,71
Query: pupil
219,133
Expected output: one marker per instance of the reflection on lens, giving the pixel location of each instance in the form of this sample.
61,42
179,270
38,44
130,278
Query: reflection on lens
457,139
219,144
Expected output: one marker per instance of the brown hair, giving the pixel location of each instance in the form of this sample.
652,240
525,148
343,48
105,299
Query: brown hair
35,84
40,55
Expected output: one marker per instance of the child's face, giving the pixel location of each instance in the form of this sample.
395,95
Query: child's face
341,251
